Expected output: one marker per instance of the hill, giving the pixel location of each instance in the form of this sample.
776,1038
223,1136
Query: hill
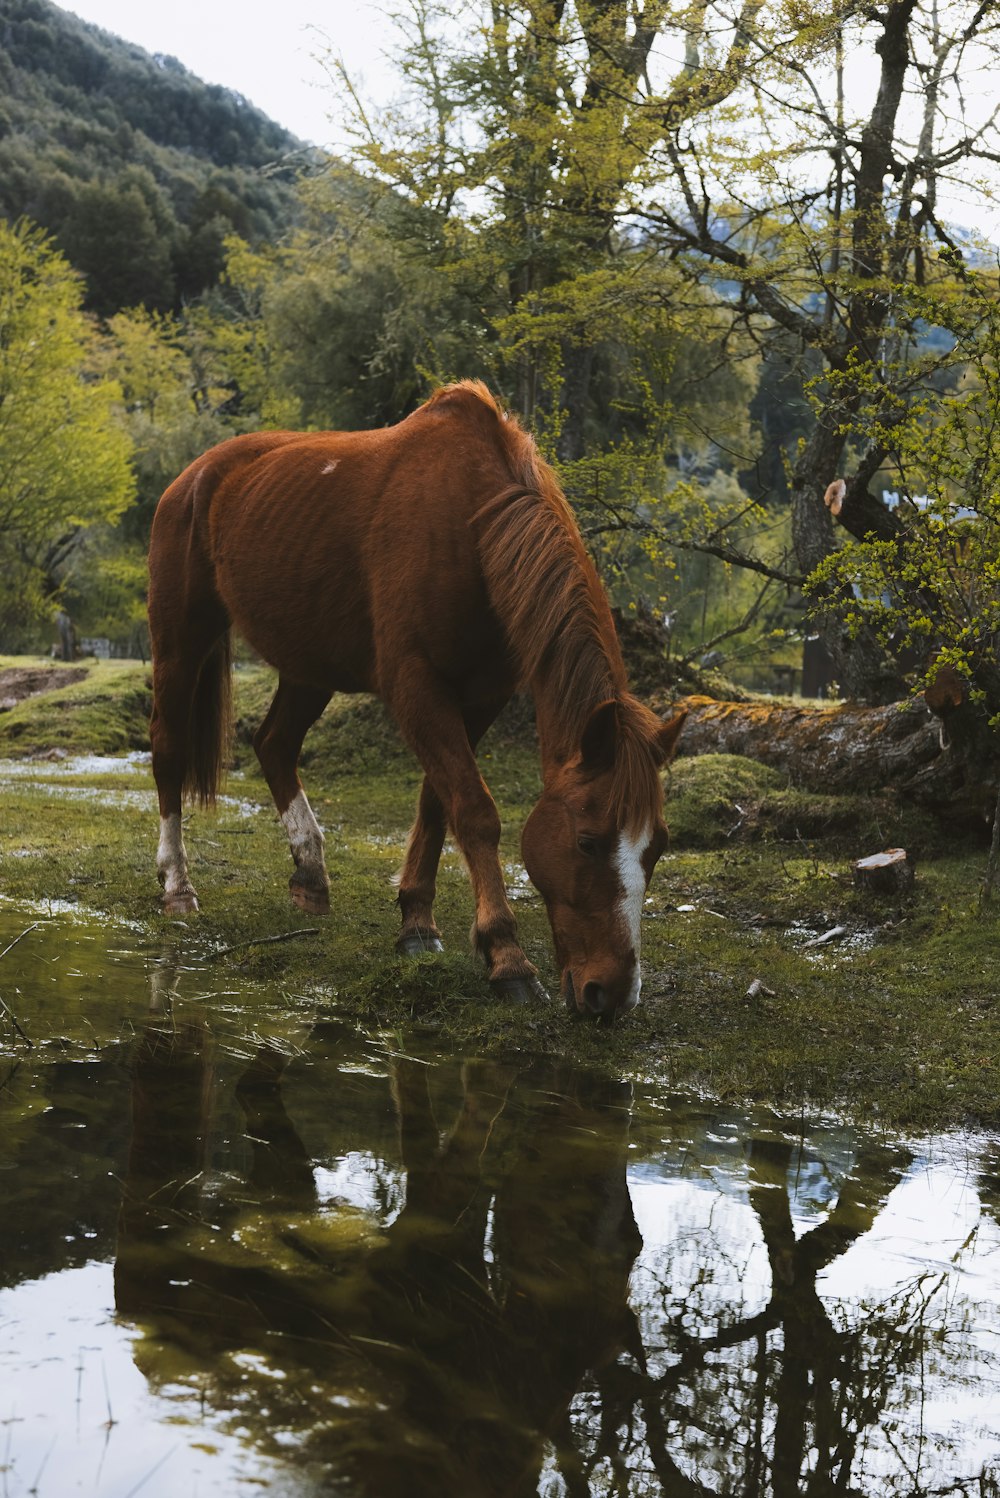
136,167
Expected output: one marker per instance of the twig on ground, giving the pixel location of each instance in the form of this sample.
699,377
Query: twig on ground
10,1076
8,1011
263,941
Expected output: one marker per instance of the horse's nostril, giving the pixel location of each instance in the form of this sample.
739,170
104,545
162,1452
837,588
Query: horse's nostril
595,998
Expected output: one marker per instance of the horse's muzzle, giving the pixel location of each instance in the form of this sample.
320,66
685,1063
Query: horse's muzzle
594,998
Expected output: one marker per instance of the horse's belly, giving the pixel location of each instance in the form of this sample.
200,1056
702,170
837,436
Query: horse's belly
312,627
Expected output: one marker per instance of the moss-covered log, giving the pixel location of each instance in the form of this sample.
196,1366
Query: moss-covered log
846,747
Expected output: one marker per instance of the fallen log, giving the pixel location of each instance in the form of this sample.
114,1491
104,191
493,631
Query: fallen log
849,748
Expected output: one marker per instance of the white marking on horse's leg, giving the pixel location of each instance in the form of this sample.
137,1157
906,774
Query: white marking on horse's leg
305,836
632,877
171,858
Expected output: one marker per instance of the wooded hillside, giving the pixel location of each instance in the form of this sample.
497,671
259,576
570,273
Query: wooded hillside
136,167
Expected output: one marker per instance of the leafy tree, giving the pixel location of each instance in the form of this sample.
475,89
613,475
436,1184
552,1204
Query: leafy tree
579,180
350,319
177,397
120,238
527,138
926,579
64,461
831,230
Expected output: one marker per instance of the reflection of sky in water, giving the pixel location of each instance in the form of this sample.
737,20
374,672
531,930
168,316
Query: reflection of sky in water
716,1160
364,1182
72,1400
931,1257
925,1279
933,1251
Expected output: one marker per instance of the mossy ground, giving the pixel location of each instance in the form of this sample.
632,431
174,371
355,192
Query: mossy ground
896,1019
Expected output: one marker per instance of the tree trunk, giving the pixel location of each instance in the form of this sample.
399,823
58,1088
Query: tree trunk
864,671
578,365
846,748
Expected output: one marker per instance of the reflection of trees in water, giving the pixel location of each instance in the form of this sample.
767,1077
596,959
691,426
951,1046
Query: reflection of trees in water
483,1336
782,1398
434,1354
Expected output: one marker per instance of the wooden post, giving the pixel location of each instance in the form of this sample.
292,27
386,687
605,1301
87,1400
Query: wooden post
989,883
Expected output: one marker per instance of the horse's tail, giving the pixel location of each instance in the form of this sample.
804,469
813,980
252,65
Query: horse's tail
210,727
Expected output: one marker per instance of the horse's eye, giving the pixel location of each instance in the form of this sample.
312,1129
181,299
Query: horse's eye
587,845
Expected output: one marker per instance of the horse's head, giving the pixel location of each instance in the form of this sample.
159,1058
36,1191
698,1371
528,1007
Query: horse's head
590,846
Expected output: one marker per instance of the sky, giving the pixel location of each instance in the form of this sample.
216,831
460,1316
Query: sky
268,52
272,53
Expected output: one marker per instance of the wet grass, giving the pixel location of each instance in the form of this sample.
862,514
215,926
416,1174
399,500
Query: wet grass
895,1018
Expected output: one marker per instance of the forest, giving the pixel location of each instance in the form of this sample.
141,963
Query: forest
308,1195
716,258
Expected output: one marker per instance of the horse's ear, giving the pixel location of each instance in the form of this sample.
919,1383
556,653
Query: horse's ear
667,735
600,738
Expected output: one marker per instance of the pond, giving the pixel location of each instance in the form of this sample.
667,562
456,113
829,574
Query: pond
244,1248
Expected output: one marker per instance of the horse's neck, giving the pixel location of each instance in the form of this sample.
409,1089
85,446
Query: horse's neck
566,693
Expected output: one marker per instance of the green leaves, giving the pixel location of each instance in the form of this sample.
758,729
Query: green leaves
934,592
64,461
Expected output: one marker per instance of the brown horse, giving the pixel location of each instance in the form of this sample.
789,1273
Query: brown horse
437,564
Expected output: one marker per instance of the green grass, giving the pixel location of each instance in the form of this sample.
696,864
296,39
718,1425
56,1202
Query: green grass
106,712
897,1020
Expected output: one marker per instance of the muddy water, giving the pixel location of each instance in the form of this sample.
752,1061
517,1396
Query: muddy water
243,1249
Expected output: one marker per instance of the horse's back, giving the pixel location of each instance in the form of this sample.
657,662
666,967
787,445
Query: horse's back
337,554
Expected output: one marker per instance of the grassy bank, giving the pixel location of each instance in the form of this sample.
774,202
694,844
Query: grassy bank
896,1017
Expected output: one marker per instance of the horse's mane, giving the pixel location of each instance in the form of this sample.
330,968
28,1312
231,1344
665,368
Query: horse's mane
546,593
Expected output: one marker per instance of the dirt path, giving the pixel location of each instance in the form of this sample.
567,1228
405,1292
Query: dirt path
19,682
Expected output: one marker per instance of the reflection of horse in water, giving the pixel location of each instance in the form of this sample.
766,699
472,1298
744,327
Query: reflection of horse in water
489,1320
447,1346
437,564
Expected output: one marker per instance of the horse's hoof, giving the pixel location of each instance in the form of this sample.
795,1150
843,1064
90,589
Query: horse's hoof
415,942
519,990
313,901
182,902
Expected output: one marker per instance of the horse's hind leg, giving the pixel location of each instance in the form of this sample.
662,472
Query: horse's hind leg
278,741
182,671
173,694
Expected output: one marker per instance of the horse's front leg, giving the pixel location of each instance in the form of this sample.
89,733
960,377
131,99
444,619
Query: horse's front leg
435,728
417,880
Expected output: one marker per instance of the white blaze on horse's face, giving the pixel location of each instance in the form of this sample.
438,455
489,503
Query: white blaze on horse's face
593,877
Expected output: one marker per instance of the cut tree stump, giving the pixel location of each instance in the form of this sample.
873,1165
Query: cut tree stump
885,874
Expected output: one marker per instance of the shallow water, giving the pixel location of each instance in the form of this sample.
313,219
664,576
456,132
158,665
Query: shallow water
55,779
243,1248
